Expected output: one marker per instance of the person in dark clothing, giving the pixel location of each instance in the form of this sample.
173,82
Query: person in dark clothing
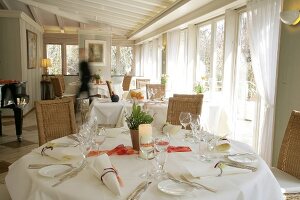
85,77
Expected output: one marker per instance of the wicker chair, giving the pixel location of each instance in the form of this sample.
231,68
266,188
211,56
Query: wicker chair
177,105
62,82
200,96
159,89
126,83
55,119
140,83
288,166
57,87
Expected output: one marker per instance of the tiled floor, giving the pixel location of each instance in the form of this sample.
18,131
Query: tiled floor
10,149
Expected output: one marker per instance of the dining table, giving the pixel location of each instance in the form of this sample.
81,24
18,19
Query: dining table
112,114
24,183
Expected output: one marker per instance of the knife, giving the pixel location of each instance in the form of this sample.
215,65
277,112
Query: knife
136,190
140,192
238,165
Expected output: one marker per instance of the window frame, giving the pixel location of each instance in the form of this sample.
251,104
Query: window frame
118,57
213,23
63,55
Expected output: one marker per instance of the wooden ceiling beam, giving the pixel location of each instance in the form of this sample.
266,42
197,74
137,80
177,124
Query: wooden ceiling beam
5,5
159,3
35,14
137,5
60,22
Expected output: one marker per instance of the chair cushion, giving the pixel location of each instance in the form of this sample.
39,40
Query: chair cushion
287,182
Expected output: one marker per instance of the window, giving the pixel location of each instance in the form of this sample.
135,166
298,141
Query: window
210,55
67,64
121,59
245,96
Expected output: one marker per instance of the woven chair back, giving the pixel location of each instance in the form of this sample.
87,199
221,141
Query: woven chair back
200,96
57,88
126,83
158,89
55,119
289,155
141,83
62,82
177,105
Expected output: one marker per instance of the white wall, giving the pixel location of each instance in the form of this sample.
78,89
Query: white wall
102,36
13,53
288,93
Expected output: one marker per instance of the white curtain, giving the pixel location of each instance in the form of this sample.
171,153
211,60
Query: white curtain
149,59
177,65
264,22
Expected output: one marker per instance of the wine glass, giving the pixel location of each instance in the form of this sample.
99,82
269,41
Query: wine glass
99,137
147,148
185,119
195,126
161,143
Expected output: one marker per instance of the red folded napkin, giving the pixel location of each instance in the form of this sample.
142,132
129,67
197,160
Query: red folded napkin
178,149
118,150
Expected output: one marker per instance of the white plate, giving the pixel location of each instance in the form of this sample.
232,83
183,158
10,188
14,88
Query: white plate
173,188
243,158
52,170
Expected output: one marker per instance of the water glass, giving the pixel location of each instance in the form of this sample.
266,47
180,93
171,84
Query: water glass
185,119
161,145
147,148
99,137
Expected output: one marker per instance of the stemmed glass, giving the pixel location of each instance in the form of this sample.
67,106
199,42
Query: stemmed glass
147,148
99,137
195,126
185,119
85,142
162,143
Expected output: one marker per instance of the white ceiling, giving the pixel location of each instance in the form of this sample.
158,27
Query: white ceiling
131,19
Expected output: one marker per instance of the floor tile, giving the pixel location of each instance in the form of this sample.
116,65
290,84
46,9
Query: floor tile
16,144
4,166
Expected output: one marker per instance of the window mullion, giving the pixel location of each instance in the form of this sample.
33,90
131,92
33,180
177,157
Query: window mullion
64,60
212,58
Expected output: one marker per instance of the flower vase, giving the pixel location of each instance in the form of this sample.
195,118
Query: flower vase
135,139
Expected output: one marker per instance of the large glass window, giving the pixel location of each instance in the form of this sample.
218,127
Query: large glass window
210,55
67,64
72,59
245,97
121,59
54,53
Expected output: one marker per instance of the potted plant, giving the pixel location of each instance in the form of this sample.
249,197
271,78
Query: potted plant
198,88
97,77
137,117
164,79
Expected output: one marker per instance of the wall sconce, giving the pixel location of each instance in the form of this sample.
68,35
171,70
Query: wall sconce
290,17
45,64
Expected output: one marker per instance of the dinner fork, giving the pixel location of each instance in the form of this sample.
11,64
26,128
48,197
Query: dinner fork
196,183
193,184
72,174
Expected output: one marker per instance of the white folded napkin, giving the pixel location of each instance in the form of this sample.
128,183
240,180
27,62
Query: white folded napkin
208,170
103,169
59,153
222,145
171,129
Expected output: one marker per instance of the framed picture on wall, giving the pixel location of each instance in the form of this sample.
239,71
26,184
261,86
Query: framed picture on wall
95,52
31,49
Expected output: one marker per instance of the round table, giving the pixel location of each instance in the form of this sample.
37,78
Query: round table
24,183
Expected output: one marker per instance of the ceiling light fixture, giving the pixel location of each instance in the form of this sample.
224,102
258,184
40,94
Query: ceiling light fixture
290,17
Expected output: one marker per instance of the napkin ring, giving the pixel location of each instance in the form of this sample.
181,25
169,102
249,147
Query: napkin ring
108,170
44,149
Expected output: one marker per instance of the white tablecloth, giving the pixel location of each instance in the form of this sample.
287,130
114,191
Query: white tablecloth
112,113
23,183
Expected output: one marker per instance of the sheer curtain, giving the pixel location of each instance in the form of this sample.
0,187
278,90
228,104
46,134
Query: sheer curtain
148,59
177,64
263,21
